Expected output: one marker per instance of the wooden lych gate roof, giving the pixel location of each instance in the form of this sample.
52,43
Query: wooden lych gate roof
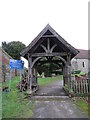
49,32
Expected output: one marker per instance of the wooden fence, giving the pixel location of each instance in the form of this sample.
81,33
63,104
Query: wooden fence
81,86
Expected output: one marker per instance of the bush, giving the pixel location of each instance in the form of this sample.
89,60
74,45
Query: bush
76,72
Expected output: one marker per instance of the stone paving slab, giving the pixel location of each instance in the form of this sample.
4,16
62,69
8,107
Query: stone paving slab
51,98
57,109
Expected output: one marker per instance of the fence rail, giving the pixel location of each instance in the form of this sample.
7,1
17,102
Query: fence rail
81,86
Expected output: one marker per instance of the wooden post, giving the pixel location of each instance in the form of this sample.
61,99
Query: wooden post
36,75
28,71
63,75
66,74
31,76
69,70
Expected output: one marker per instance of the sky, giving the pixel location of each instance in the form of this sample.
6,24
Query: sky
23,20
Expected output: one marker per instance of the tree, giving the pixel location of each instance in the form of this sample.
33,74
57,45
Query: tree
5,46
47,66
13,48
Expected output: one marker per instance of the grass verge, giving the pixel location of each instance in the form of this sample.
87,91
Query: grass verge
13,103
82,104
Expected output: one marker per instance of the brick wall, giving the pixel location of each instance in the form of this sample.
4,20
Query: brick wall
4,64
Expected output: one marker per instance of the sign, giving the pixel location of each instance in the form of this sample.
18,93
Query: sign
16,64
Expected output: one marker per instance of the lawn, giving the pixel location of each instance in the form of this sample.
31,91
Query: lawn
13,103
48,80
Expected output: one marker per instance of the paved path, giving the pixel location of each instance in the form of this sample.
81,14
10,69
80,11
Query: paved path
54,89
57,109
59,106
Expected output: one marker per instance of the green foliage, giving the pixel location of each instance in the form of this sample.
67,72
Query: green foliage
13,48
76,72
5,46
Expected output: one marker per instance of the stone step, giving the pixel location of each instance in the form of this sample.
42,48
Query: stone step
50,98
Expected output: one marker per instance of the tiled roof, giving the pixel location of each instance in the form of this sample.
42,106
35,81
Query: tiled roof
84,54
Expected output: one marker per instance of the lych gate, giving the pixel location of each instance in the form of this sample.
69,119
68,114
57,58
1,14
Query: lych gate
51,45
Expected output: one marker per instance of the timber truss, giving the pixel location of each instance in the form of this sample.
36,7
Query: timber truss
51,45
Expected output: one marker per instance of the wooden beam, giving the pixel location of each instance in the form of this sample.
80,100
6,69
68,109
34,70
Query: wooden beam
60,57
46,61
53,48
69,59
38,44
49,54
48,44
48,36
44,48
35,61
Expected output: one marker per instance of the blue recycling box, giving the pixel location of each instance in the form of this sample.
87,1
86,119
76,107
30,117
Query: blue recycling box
16,64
